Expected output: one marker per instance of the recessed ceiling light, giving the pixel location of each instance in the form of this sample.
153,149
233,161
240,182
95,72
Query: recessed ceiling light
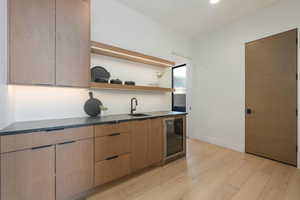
214,1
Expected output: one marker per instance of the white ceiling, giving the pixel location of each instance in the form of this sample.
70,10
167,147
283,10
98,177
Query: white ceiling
193,17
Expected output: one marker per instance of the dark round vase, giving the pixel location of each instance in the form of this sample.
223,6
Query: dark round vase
92,106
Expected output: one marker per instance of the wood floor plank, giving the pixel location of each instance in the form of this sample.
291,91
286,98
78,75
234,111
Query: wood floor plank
255,185
293,190
277,186
209,172
248,168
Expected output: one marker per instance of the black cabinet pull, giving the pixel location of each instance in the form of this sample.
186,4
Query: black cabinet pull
111,158
69,142
41,147
115,134
54,129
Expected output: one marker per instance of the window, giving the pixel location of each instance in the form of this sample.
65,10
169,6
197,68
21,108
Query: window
179,84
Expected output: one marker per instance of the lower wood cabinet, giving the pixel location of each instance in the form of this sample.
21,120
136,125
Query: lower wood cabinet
28,174
139,145
155,141
74,168
112,169
112,145
64,163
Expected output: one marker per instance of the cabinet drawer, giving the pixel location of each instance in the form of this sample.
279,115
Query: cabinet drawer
124,127
112,169
108,146
25,141
18,142
73,134
103,130
108,129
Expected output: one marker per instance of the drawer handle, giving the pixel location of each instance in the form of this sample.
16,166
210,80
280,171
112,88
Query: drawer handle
69,142
114,134
54,129
41,147
112,158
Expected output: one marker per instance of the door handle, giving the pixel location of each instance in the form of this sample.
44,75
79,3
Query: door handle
249,111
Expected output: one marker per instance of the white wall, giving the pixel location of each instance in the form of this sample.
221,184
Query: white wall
219,57
115,24
5,108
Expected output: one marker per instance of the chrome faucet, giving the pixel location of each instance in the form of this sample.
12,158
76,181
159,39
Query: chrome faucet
136,103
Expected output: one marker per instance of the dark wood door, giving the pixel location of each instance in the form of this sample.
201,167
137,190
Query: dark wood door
73,43
32,42
271,97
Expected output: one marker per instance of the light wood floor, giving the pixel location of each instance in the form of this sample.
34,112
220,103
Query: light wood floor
210,173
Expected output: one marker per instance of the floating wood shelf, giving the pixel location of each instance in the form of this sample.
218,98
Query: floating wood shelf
116,52
128,87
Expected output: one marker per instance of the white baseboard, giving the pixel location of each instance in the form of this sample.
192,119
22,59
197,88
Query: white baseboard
217,141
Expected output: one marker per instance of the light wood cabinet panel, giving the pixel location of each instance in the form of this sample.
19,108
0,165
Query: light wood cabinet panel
155,141
28,140
32,42
108,129
73,43
28,175
74,168
69,134
124,127
112,169
25,141
114,145
139,145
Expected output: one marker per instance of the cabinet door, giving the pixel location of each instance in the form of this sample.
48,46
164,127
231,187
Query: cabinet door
73,43
139,147
74,168
155,141
28,174
32,41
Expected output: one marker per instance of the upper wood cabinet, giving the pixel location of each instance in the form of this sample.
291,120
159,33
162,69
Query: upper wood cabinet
28,174
32,42
155,141
73,43
49,42
74,168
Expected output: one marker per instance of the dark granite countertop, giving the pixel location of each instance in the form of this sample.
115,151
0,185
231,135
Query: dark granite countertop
48,125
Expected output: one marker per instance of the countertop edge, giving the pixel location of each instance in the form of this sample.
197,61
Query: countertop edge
34,130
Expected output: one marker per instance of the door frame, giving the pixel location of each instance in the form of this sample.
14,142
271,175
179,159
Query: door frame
297,97
178,66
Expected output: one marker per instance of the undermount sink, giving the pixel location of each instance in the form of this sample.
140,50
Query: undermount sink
139,115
